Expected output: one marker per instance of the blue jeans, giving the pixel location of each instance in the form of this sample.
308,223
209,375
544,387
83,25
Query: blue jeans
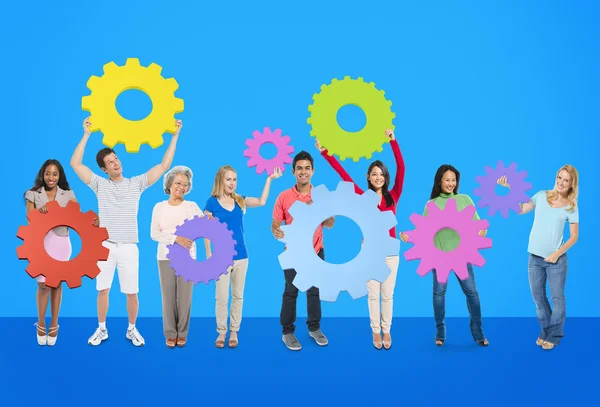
551,321
473,305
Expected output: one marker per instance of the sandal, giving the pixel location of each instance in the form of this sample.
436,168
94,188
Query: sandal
170,343
439,342
539,341
548,345
233,343
52,339
483,342
41,339
181,342
377,342
387,344
220,343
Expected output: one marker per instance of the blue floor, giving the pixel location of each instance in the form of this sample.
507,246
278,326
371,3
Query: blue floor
513,371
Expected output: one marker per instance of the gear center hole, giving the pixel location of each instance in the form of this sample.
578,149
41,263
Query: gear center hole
134,105
62,248
450,238
343,242
201,249
351,118
268,151
502,191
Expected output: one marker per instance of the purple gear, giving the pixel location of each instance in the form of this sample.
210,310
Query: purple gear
487,189
283,151
213,267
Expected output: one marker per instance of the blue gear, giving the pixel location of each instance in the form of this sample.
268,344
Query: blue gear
352,276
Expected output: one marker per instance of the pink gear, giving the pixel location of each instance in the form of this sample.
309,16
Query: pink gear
283,151
426,227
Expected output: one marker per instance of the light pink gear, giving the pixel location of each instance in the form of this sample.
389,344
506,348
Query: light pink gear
283,151
426,227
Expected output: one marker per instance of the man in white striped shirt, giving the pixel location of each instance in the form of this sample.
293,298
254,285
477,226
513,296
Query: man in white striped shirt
118,202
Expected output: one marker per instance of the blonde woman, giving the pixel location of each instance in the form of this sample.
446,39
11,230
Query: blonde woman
230,208
176,292
547,252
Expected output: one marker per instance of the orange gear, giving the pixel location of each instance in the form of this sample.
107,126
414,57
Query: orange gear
56,271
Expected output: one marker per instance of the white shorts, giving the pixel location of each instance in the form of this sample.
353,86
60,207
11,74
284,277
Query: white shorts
125,258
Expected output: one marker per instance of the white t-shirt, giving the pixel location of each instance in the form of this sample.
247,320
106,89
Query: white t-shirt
165,219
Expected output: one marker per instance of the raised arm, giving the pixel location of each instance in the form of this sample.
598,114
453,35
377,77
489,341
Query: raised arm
158,170
256,202
82,171
525,207
396,190
337,167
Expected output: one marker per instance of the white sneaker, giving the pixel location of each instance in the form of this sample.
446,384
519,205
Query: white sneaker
41,339
99,335
134,336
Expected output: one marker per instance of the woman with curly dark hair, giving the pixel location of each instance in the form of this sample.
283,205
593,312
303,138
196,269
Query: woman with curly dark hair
50,185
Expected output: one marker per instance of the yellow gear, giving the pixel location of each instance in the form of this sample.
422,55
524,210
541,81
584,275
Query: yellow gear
133,133
336,140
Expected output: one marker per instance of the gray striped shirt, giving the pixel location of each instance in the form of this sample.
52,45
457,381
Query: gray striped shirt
118,204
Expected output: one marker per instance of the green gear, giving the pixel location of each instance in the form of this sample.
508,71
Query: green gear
344,144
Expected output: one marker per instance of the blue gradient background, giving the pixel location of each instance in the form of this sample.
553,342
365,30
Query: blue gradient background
471,83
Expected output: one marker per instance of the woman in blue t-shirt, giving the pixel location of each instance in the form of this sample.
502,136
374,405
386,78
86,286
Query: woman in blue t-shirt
548,254
229,207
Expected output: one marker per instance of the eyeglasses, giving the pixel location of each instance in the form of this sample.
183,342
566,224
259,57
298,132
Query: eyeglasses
179,184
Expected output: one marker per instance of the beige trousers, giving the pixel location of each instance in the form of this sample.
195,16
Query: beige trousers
381,317
236,277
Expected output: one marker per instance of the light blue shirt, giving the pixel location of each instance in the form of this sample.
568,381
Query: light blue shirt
547,232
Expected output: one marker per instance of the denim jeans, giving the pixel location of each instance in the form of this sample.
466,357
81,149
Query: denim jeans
473,305
552,321
288,303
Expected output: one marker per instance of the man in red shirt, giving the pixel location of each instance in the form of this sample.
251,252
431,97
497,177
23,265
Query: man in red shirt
303,170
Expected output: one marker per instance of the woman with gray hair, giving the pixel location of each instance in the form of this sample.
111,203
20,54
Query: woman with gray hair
176,292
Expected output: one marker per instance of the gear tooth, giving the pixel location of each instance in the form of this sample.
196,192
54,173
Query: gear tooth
132,147
372,84
178,105
359,291
22,232
309,120
382,92
110,67
380,149
347,78
132,62
357,159
109,140
93,82
360,79
87,103
389,102
334,80
342,158
171,84
156,141
22,252
155,68
345,188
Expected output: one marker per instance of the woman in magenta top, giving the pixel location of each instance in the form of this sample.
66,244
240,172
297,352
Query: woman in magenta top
378,180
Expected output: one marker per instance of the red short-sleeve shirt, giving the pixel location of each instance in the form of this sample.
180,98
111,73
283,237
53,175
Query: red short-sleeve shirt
284,202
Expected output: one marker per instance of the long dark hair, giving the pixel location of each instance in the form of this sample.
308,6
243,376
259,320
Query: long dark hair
386,176
437,180
62,177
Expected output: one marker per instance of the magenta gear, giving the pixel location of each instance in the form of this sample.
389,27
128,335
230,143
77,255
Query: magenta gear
283,151
487,189
213,267
426,227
